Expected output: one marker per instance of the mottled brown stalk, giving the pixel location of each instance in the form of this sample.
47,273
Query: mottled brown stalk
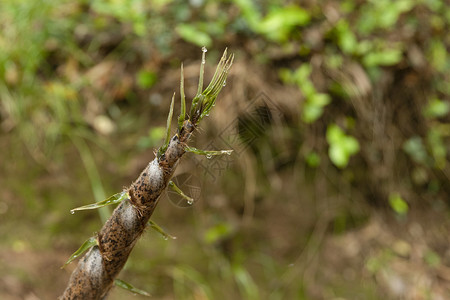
96,271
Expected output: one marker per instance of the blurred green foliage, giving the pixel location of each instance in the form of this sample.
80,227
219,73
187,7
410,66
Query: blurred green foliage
398,204
313,107
86,80
342,146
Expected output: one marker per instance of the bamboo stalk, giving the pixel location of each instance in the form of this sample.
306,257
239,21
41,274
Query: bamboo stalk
95,273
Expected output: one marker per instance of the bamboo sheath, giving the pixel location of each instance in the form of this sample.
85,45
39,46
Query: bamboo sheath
96,271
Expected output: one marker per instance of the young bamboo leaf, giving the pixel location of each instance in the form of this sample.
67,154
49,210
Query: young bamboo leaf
114,199
204,101
169,126
202,71
183,101
130,288
89,243
196,103
216,84
208,154
224,65
177,190
161,231
198,99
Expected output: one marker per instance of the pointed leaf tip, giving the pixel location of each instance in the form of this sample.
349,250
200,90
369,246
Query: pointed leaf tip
161,231
130,288
114,199
183,101
205,100
177,190
163,148
89,243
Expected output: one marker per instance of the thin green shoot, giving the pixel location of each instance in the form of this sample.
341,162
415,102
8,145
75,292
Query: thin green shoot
208,154
183,101
198,99
114,199
204,101
196,103
168,126
221,70
202,71
92,172
177,190
130,288
89,243
216,84
161,231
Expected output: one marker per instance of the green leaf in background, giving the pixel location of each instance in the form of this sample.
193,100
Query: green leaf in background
380,261
315,102
153,139
438,55
381,14
245,282
432,258
387,57
249,11
217,232
186,278
191,34
438,147
130,288
398,204
320,99
146,79
346,39
437,108
313,106
89,243
279,23
312,159
114,199
302,74
342,146
130,11
416,150
310,112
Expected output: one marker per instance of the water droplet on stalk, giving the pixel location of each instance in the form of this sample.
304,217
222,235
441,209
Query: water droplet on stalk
190,201
72,211
204,50
208,156
224,83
